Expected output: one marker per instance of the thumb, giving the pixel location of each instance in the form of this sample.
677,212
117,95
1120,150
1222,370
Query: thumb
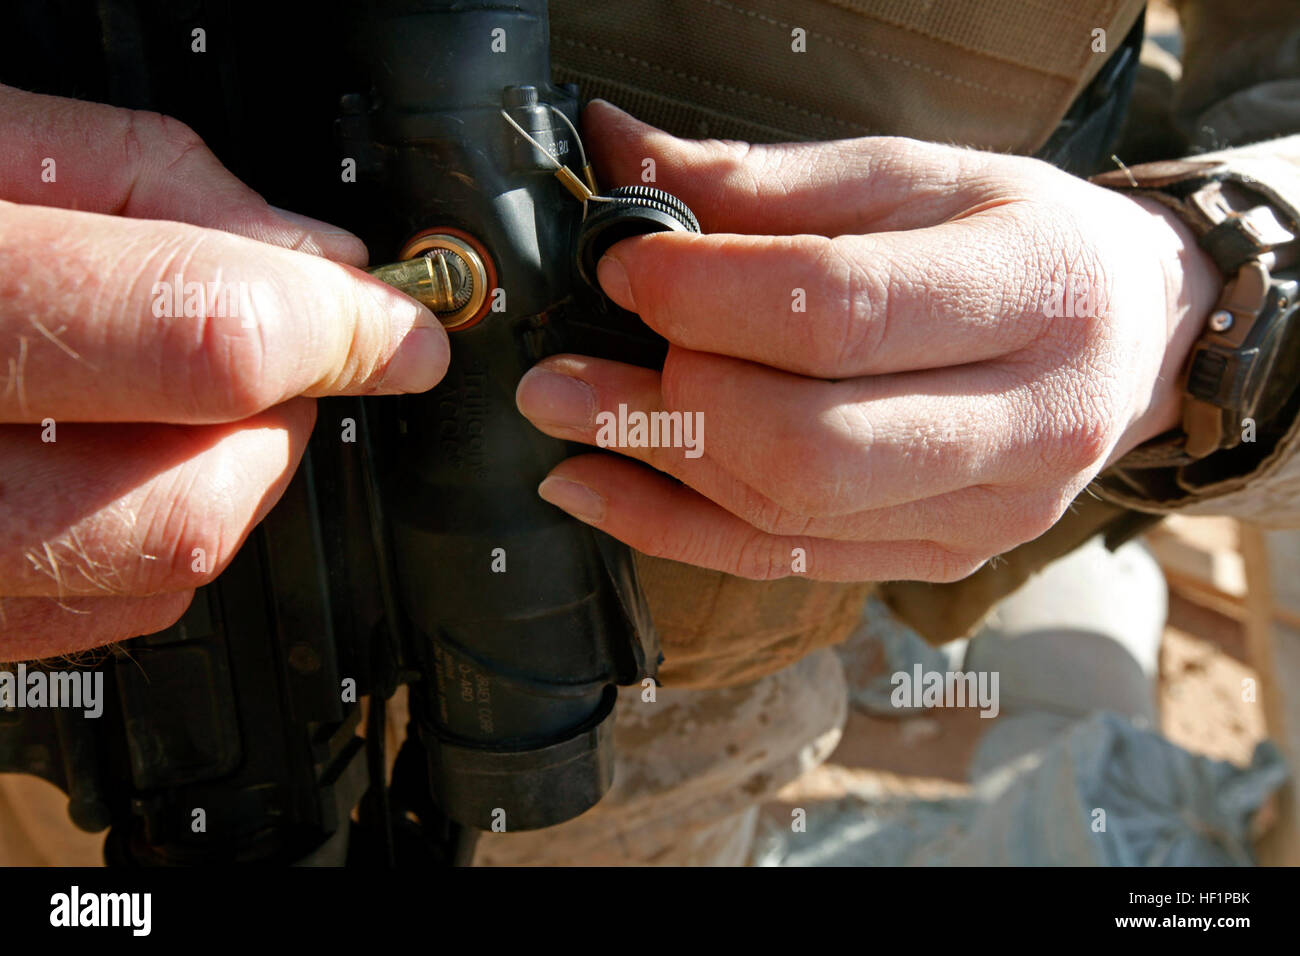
116,319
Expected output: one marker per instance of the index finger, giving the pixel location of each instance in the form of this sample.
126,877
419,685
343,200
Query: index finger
840,307
828,188
78,155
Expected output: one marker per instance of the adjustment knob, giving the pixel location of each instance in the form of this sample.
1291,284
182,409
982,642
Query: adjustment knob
635,211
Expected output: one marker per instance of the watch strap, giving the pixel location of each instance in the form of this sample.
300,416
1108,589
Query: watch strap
1250,233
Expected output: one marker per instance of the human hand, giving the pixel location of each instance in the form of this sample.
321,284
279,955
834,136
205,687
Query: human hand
145,429
909,357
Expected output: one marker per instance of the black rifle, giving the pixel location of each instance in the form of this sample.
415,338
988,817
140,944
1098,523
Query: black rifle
411,547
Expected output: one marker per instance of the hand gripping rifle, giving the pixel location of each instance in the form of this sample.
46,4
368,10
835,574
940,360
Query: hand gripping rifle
411,547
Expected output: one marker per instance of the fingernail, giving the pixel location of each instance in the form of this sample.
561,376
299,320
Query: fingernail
557,399
577,499
613,279
419,362
331,241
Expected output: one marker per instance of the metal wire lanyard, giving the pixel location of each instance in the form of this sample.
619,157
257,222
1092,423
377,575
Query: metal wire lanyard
585,189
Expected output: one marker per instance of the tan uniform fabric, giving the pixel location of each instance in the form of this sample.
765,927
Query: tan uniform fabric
996,73
720,630
35,829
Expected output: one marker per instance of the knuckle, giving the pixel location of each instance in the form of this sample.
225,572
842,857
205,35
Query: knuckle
828,457
853,323
659,540
1024,517
744,166
941,565
809,490
951,518
165,611
216,355
769,517
177,141
735,171
759,557
134,123
1068,282
228,366
676,380
157,139
1035,518
1085,436
355,349
192,535
836,472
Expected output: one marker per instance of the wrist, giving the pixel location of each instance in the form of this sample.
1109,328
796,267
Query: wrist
1192,285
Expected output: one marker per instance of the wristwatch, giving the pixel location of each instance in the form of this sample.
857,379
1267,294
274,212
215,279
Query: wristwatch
1241,377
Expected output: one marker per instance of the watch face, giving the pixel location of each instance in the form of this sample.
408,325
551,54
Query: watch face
1279,342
